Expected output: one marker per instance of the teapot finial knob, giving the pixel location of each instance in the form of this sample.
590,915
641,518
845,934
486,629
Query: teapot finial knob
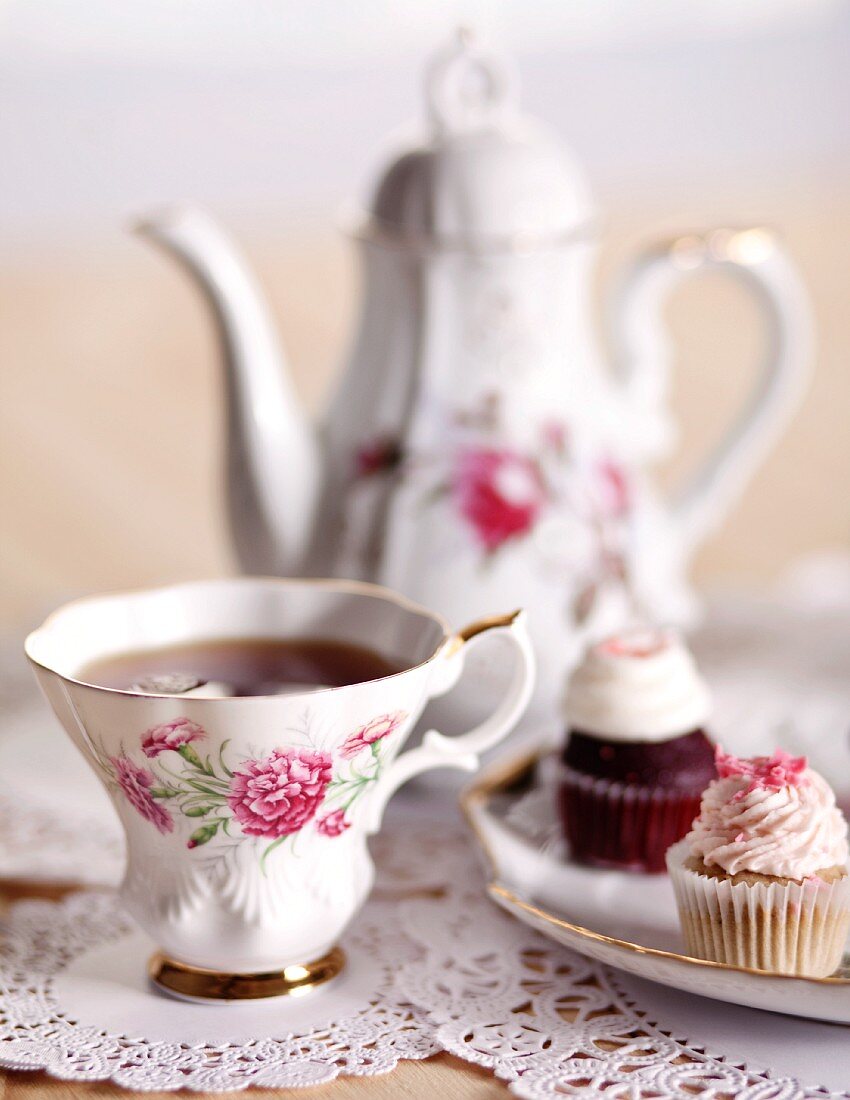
468,86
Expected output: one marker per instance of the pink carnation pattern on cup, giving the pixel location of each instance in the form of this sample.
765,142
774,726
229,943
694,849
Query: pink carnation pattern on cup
138,786
370,733
269,798
171,735
278,795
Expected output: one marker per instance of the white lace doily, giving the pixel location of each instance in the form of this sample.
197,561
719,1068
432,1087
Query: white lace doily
430,970
75,1003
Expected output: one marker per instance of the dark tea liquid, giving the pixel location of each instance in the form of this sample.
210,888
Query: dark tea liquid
240,667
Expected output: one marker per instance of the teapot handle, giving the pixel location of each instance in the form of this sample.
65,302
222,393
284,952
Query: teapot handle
756,258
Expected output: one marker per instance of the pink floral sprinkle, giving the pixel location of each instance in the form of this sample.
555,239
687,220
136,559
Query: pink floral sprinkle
171,735
764,772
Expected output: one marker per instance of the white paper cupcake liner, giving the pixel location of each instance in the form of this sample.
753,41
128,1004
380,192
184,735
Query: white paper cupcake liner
798,928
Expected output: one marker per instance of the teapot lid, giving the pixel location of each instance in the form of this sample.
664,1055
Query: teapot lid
486,178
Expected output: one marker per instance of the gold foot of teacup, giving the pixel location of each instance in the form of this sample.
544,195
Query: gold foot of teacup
197,984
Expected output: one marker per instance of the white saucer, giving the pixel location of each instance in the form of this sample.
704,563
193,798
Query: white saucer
626,920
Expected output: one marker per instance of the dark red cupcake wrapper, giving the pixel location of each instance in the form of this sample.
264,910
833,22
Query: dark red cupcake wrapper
622,825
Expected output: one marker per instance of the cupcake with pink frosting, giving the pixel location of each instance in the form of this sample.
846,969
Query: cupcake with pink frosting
761,879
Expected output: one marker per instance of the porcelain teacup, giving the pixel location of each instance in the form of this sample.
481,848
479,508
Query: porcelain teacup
247,818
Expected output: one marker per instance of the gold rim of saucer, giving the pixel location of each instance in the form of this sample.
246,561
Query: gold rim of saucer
215,985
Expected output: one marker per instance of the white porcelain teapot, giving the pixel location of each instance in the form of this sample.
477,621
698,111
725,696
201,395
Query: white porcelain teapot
478,453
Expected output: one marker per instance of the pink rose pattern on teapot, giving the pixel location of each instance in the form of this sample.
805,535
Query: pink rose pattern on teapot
273,797
498,492
501,492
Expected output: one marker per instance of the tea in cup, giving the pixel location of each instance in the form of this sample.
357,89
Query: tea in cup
248,732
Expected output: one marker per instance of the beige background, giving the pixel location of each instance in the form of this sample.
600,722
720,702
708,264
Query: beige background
110,405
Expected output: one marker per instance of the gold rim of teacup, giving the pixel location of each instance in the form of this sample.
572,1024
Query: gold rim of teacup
198,983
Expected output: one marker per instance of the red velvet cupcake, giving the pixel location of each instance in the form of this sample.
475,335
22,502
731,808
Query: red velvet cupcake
637,758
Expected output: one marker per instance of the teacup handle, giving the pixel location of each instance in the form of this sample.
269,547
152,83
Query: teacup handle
462,751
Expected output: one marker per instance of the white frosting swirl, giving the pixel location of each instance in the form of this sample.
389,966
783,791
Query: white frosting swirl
789,831
638,686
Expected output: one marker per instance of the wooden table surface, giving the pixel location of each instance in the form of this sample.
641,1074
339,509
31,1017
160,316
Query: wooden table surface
441,1076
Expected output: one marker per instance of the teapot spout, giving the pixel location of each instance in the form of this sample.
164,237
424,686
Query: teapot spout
273,463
